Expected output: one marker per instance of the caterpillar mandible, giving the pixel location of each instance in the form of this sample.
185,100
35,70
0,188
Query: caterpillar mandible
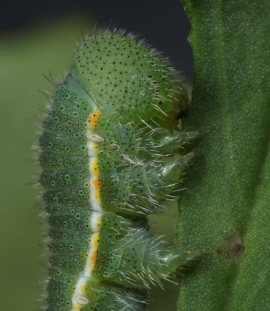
110,155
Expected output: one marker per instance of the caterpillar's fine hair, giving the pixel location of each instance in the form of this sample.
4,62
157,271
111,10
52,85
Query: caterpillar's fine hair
110,155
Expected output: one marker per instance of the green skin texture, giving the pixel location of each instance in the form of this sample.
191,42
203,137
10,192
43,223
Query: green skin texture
225,209
140,167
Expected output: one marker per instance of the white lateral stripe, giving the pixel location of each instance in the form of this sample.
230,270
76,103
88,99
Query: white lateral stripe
79,299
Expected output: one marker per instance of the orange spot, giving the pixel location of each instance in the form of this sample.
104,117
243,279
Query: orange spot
95,116
94,259
97,185
94,256
95,245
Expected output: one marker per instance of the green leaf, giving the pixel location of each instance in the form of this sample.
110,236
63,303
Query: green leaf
225,210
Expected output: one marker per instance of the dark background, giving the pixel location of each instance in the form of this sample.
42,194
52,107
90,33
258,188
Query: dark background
36,38
162,22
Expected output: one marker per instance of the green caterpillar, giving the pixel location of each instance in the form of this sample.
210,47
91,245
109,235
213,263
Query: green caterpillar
110,155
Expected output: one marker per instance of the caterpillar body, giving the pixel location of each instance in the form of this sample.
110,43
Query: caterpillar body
110,155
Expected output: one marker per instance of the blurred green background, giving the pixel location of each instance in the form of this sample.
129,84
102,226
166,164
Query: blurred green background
26,55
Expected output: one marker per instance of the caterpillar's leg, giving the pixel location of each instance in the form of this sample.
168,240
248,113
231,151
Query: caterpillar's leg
171,142
132,257
140,188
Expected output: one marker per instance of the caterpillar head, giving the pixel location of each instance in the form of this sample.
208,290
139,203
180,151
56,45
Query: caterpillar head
128,80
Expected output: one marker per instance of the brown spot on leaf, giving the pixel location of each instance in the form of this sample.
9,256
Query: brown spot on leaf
236,247
233,249
219,251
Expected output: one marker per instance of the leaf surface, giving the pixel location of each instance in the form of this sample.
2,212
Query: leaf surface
225,210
